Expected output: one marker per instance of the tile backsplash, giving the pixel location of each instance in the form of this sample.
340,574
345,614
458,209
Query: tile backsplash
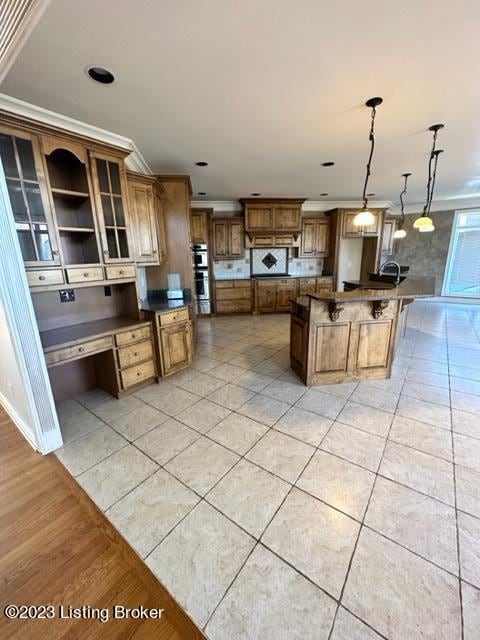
241,268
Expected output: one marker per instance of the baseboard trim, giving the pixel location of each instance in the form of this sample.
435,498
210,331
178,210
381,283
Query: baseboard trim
18,422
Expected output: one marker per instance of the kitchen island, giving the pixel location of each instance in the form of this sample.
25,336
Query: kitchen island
350,335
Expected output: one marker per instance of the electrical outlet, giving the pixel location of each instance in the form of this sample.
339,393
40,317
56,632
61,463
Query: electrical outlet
67,295
108,291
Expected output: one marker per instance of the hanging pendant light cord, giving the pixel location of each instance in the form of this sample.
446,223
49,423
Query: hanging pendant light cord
430,184
402,195
371,137
434,177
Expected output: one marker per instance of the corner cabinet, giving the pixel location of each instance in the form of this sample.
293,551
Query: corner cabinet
228,238
314,241
27,189
145,213
110,187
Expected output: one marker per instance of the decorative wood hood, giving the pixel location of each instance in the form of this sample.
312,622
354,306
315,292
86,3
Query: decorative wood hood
275,216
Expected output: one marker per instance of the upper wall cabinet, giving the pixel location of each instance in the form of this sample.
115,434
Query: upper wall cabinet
22,163
274,215
71,200
349,230
143,218
228,238
198,226
314,242
110,192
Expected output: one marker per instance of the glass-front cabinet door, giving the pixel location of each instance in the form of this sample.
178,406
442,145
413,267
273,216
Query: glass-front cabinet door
22,165
110,187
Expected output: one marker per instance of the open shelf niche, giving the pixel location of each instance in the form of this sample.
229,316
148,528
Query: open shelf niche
73,207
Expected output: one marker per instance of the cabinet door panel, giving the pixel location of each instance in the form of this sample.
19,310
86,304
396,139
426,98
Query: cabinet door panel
220,242
110,191
259,219
267,298
284,295
321,238
308,238
24,173
350,230
199,231
236,240
286,219
143,222
176,347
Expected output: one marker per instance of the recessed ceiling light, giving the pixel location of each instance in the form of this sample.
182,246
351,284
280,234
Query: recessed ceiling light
328,164
256,194
202,164
324,194
201,193
99,74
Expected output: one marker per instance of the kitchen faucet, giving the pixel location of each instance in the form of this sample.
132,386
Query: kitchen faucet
395,264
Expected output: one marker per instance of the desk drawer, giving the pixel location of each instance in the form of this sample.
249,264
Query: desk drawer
86,274
86,348
41,278
142,333
174,316
120,271
127,356
137,374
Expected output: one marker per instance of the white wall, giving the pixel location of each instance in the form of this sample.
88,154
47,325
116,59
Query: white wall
12,389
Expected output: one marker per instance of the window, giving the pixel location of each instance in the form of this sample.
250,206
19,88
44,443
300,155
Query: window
462,276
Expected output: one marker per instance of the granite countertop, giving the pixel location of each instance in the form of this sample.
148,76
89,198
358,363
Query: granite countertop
372,290
161,306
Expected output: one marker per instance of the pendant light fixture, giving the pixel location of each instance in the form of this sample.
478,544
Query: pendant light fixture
365,218
400,232
424,222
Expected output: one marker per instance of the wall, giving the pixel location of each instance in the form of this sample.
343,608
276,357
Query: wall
426,253
12,389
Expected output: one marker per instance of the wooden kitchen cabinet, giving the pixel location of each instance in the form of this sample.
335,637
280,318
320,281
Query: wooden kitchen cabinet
266,299
110,187
198,227
176,347
233,296
275,295
228,239
274,215
284,296
351,231
389,227
314,241
143,218
27,190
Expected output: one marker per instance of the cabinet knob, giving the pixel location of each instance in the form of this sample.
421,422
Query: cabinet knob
86,274
155,252
55,253
135,353
80,349
41,278
121,272
134,335
139,373
106,252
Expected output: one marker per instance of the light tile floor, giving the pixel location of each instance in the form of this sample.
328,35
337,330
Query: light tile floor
272,511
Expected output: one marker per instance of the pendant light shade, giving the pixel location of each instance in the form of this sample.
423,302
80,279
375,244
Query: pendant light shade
424,222
399,234
365,218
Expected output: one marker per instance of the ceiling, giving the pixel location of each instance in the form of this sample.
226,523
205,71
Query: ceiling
267,90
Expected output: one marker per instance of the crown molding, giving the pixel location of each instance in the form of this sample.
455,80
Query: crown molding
232,206
134,161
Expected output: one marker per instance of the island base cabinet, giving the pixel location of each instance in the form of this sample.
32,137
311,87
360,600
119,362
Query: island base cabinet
175,344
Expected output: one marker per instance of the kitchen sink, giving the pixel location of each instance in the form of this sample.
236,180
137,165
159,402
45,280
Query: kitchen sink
385,277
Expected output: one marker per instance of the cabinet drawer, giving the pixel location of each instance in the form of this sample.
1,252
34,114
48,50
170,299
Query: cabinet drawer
126,337
289,283
120,271
136,353
92,346
262,241
174,316
284,241
87,274
233,306
137,374
233,294
45,277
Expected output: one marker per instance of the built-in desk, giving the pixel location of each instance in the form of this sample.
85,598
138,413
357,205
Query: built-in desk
122,348
350,335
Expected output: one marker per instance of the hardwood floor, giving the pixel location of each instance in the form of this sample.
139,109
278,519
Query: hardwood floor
57,548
